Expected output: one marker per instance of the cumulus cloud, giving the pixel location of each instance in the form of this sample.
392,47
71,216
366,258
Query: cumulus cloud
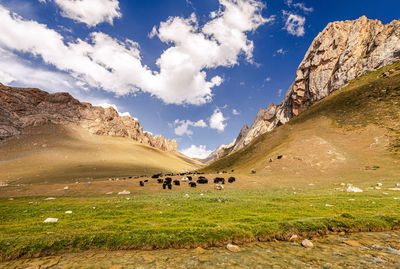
90,12
116,66
194,151
235,112
267,79
22,73
217,120
294,24
182,126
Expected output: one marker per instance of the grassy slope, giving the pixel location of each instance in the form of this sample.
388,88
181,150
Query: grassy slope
56,153
366,110
274,203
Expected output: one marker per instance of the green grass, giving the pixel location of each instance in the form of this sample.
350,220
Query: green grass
166,220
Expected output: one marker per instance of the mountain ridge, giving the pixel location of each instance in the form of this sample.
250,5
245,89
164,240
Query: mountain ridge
343,51
24,107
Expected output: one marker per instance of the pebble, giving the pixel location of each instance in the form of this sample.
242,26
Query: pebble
307,243
124,192
294,237
233,248
50,220
66,188
68,212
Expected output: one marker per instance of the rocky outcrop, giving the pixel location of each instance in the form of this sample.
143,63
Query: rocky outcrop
343,51
20,108
259,126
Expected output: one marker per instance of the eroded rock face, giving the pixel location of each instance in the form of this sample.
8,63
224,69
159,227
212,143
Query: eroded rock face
20,108
343,51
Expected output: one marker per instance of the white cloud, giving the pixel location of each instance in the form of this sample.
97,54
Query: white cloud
267,79
182,126
294,24
235,112
19,72
281,51
242,83
116,66
107,105
217,120
280,92
90,12
194,151
303,7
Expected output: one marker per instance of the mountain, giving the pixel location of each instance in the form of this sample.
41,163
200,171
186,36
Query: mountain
55,138
343,51
24,107
353,133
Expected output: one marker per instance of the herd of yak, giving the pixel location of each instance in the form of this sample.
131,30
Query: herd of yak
167,182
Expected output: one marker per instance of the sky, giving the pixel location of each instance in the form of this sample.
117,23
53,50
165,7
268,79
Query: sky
193,70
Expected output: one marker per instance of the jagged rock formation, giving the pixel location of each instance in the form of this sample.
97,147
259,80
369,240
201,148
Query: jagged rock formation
20,108
343,51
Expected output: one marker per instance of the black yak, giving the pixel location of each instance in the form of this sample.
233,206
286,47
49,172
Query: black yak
192,184
177,182
141,183
231,179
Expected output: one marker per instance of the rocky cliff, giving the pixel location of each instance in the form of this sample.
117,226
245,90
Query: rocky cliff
343,51
20,108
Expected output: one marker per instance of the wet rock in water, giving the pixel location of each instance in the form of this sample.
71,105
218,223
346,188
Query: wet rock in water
50,220
352,243
233,248
124,192
351,188
307,243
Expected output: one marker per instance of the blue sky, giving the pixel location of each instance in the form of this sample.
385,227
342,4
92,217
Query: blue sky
193,70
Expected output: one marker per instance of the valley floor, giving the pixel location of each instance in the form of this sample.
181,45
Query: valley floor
254,208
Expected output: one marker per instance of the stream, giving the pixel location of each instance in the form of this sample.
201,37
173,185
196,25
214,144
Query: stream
357,250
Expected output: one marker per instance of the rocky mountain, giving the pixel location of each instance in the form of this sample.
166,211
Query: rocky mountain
23,107
343,51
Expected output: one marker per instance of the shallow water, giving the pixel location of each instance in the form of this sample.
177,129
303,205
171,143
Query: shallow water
377,250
